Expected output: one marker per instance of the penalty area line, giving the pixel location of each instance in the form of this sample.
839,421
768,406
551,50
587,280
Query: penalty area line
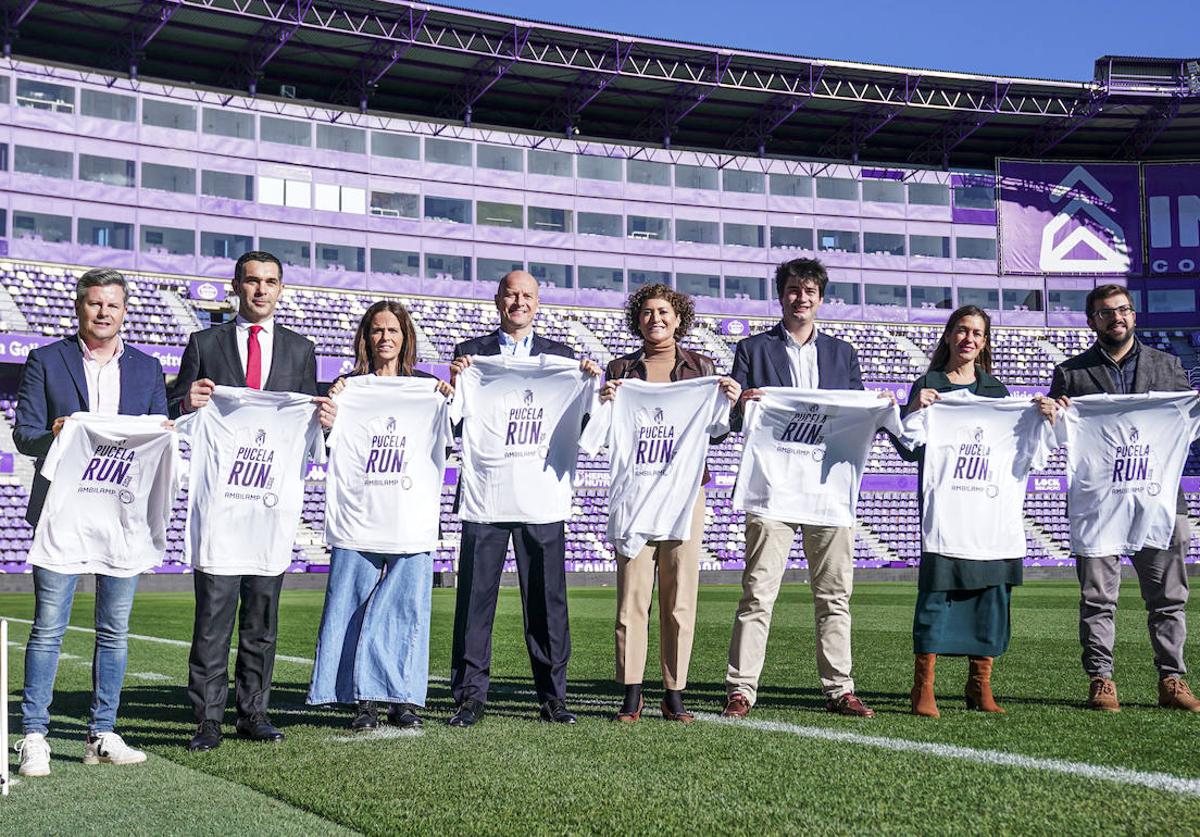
998,758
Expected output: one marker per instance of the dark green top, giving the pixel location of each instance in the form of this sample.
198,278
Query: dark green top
938,572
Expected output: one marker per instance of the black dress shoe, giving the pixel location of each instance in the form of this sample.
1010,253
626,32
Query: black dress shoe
404,716
207,737
367,718
554,711
258,728
468,714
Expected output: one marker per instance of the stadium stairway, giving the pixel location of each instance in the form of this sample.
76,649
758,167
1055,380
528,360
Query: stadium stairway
1045,540
184,314
11,318
920,359
713,346
426,351
589,341
1053,352
881,550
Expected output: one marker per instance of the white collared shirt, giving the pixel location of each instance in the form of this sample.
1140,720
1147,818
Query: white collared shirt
266,340
803,360
515,348
103,380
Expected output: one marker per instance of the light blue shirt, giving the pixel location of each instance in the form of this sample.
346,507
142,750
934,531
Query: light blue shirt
515,348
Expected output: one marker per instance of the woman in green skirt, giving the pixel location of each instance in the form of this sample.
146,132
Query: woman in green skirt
962,605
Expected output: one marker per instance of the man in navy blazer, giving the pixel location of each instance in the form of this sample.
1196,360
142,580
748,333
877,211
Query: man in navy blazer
795,353
91,371
540,548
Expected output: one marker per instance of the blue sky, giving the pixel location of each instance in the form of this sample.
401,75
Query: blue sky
1047,39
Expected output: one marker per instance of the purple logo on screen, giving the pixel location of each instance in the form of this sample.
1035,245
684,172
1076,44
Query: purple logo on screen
1083,237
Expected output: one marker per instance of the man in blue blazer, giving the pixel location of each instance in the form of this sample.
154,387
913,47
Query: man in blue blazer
540,548
795,353
91,371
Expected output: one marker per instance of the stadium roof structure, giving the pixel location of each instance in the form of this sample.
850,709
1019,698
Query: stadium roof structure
454,65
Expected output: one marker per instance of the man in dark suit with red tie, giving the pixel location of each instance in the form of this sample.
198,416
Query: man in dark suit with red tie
253,351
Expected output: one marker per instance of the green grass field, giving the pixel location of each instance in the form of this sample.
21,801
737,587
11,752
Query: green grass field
793,769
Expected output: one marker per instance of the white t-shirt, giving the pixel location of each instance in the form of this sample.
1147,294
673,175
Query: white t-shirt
113,480
520,436
657,437
387,459
805,451
978,455
250,449
1125,457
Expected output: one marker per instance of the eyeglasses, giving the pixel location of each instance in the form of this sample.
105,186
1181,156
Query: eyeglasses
1109,314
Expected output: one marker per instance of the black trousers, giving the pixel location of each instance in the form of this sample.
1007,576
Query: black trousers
217,602
541,568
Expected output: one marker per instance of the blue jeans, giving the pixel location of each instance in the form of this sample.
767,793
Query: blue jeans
53,595
373,643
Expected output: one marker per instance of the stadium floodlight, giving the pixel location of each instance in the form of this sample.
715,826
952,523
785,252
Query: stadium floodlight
4,778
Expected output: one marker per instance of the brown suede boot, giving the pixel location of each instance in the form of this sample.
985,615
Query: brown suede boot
979,686
922,691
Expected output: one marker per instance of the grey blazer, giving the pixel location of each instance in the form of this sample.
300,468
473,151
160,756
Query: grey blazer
1085,374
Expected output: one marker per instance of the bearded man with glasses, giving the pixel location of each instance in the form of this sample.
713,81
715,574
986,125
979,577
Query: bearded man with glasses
1118,364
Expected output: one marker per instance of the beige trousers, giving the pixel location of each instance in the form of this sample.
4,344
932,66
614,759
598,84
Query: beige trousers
830,553
678,564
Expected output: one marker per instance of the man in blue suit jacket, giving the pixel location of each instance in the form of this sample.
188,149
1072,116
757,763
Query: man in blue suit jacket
540,548
92,371
794,354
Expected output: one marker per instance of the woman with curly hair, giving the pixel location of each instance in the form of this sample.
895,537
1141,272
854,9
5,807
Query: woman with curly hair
660,316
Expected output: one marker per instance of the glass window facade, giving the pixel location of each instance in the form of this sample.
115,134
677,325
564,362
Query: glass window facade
696,177
554,163
52,229
43,95
602,278
637,278
645,227
837,188
975,197
891,295
744,235
291,253
934,246
396,146
491,214
107,105
600,168
697,232
500,158
225,245
847,293
648,173
168,241
168,178
986,298
395,204
341,138
107,170
491,270
1063,302
442,267
168,115
837,241
928,296
791,185
451,210
447,152
1021,299
43,162
792,238
883,191
224,184
881,243
749,182
227,123
698,284
929,194
545,219
558,275
397,262
341,257
745,287
975,248
112,234
285,131
600,223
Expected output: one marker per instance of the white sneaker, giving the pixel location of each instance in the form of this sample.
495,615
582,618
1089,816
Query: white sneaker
35,755
108,748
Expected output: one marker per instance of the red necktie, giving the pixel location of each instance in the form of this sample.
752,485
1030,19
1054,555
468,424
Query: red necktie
254,359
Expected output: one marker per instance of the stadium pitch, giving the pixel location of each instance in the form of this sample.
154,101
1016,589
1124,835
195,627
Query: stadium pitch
1047,766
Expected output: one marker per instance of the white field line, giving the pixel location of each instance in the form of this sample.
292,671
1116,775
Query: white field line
1076,769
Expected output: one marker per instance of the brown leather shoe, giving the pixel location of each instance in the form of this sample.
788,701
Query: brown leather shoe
737,706
1102,695
849,704
979,686
923,702
630,717
1173,693
683,717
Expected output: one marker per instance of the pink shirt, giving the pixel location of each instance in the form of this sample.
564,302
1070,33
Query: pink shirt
103,380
